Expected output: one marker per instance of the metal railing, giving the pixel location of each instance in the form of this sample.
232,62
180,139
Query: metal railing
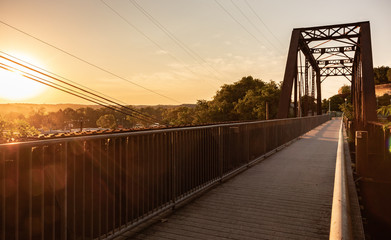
98,186
340,225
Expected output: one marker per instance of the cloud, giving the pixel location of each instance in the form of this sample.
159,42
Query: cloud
161,52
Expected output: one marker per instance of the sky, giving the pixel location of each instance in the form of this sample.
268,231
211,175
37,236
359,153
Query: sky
169,52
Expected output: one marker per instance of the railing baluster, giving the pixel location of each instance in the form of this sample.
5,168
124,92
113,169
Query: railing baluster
3,180
127,177
95,186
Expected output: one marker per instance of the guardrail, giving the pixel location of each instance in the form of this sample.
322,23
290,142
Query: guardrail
98,186
340,226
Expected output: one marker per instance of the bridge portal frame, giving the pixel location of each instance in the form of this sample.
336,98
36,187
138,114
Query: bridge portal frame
351,37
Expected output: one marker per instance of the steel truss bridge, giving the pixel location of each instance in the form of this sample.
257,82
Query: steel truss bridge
329,51
106,186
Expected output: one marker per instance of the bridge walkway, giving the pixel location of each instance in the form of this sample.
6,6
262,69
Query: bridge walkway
286,196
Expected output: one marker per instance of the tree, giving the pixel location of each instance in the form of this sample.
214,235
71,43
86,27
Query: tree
242,100
37,118
325,105
384,110
389,75
201,112
179,116
380,75
347,109
23,129
107,121
335,102
3,129
307,104
384,100
253,105
345,90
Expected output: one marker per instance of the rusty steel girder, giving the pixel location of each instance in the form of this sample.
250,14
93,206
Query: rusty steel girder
346,51
336,71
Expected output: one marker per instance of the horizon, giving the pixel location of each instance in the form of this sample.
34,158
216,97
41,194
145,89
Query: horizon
168,53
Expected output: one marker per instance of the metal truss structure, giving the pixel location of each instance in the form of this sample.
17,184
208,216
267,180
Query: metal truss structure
346,52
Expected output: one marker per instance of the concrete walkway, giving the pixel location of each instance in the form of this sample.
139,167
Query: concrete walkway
287,196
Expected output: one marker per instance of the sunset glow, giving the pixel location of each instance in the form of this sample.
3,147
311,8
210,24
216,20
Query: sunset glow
14,86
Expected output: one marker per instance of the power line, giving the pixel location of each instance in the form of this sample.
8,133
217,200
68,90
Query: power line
89,63
50,84
251,22
177,41
58,76
237,21
147,37
84,94
264,24
64,82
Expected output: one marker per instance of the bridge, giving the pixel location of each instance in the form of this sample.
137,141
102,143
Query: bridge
289,178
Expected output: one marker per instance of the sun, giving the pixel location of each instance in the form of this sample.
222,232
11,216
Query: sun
15,87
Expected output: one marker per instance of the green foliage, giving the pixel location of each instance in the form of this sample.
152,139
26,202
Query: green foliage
347,109
380,75
344,90
243,100
384,110
389,75
179,116
384,100
37,117
22,129
335,102
307,103
16,129
107,121
3,129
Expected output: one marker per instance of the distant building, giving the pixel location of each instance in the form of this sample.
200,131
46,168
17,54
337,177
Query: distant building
382,89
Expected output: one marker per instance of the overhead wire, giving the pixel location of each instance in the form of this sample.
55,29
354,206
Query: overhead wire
58,76
255,27
71,85
238,22
88,63
264,24
175,39
147,37
84,93
80,87
50,84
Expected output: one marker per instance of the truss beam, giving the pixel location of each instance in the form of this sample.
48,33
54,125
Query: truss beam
334,62
336,71
345,38
333,50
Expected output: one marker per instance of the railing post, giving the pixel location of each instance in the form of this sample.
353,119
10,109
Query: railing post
221,153
174,137
361,143
247,144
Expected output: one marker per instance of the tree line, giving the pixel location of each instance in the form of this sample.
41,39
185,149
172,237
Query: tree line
245,99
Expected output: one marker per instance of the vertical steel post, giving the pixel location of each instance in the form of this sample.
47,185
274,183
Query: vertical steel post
318,94
290,73
221,153
295,97
369,97
361,143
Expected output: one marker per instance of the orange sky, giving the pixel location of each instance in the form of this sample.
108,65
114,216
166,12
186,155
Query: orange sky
193,48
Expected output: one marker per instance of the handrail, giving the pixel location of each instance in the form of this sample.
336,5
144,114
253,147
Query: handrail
340,226
100,186
148,131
